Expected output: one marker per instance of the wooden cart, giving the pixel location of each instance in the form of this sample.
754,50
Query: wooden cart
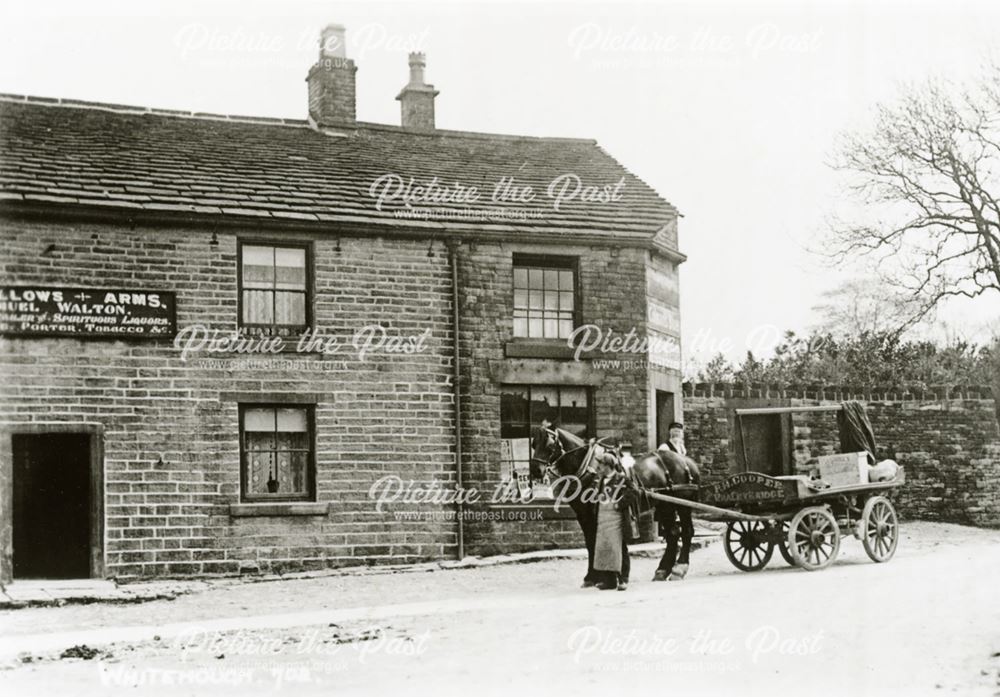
799,515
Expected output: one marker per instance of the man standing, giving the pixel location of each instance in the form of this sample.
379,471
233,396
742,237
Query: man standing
675,439
674,522
611,556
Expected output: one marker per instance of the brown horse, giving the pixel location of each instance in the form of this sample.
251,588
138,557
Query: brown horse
666,470
566,456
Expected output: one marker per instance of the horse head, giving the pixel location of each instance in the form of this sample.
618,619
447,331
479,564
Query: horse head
546,449
557,451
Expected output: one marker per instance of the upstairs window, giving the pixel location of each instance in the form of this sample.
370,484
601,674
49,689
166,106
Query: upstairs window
274,295
545,302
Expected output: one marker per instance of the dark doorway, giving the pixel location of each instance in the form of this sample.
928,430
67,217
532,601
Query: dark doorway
664,415
52,504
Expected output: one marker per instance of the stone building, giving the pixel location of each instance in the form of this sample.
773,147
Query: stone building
235,345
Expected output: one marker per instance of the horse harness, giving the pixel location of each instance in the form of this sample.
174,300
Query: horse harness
669,488
586,464
666,471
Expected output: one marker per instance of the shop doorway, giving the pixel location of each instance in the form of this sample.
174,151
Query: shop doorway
54,512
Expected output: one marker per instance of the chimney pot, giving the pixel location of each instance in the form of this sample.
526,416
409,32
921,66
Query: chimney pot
417,64
333,41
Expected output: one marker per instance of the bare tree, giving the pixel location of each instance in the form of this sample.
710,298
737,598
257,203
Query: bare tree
927,178
995,386
864,304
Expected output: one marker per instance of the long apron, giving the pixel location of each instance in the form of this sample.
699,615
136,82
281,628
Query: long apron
608,547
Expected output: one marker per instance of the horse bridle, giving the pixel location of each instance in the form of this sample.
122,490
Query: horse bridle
550,465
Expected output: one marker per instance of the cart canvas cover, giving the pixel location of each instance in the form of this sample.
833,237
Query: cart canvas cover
856,433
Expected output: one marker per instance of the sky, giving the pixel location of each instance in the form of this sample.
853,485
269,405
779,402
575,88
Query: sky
730,110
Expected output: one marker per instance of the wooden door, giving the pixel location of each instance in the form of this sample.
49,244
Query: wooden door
52,505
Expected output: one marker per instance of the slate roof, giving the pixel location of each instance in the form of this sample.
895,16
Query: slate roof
67,153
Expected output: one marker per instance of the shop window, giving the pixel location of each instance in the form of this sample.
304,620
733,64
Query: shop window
277,453
522,409
545,297
274,289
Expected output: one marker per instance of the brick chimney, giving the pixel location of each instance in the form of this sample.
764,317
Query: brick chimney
417,98
332,82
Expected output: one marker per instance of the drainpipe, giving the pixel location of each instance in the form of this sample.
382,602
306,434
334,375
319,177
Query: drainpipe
456,381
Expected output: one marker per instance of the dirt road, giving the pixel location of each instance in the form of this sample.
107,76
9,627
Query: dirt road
928,622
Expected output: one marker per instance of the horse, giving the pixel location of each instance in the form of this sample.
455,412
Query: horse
569,457
665,470
566,456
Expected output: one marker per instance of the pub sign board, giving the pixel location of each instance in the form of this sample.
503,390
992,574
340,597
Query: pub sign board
87,313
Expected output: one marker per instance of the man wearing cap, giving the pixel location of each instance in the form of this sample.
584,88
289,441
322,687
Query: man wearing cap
675,439
672,520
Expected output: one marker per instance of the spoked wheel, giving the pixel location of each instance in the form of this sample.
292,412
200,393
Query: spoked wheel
747,545
783,546
879,529
813,538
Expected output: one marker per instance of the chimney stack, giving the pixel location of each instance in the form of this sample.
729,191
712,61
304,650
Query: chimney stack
417,98
332,81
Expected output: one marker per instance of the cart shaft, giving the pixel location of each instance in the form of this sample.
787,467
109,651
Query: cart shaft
722,512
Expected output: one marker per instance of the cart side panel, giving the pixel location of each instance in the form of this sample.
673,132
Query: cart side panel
748,488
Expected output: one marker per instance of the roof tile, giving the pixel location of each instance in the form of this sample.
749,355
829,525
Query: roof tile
133,157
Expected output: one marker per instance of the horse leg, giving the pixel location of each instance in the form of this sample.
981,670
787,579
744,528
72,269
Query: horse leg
668,515
626,566
588,523
687,533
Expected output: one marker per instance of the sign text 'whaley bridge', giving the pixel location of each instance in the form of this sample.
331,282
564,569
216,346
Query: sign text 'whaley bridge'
87,312
748,487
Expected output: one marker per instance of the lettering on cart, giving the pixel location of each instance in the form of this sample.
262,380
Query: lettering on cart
747,487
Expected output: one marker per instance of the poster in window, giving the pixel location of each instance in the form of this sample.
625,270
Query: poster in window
515,458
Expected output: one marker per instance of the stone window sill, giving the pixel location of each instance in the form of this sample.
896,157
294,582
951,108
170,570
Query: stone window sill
284,508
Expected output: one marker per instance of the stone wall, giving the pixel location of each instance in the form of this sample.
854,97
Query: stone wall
947,440
171,431
612,288
170,428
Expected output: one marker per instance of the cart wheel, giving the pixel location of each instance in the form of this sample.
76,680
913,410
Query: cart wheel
879,529
783,546
813,538
747,545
